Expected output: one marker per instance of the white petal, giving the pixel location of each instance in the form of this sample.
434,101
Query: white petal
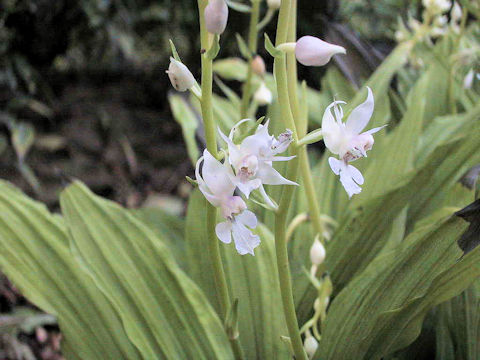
280,158
332,131
248,186
216,176
374,130
349,185
355,174
361,115
234,153
350,176
253,144
235,127
245,240
270,176
224,231
247,218
335,165
267,199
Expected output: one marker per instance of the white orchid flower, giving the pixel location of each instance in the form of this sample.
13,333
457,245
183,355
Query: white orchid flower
218,189
347,141
252,160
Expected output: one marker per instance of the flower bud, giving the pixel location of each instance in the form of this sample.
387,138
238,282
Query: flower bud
258,66
456,12
216,16
311,51
468,80
180,77
317,253
263,96
274,4
310,345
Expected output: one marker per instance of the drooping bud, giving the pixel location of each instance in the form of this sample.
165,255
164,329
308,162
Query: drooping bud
258,66
317,253
274,4
263,96
180,77
216,16
310,345
311,51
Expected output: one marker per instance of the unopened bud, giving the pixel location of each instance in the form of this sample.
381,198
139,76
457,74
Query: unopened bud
311,51
310,345
258,65
468,80
456,13
274,4
180,77
317,253
216,16
263,96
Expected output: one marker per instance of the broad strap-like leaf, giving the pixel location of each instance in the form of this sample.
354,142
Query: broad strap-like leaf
164,313
36,257
382,309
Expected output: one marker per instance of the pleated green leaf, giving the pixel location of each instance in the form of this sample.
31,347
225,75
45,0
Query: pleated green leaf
36,257
252,280
382,309
458,328
164,313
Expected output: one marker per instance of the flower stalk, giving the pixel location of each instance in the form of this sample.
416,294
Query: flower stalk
210,136
280,68
252,47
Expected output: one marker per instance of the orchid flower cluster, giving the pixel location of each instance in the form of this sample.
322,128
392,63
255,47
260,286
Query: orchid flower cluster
248,166
435,22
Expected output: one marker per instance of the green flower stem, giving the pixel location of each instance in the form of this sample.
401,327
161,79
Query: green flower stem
252,46
302,127
209,125
280,68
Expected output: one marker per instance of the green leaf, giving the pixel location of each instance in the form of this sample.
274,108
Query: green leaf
252,280
214,48
168,227
390,299
37,259
184,114
243,47
243,8
231,69
271,49
458,328
163,311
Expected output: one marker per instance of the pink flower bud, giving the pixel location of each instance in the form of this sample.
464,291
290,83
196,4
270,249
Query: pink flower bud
258,65
216,16
311,51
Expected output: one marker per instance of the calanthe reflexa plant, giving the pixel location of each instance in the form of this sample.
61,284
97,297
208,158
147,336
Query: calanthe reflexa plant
287,249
